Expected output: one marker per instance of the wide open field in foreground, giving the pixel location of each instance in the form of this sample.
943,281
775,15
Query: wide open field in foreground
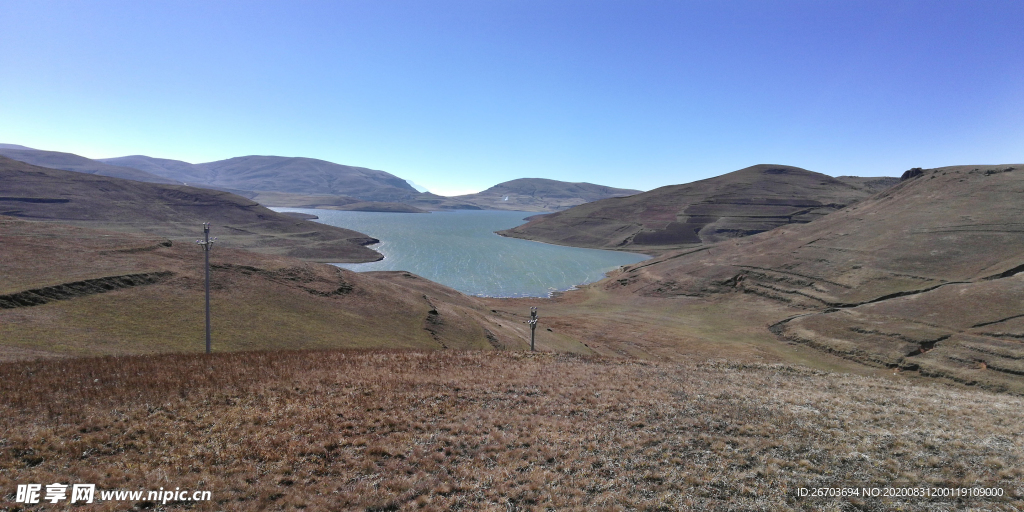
450,430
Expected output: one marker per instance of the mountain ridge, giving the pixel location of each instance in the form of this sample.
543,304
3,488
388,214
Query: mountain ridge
740,203
172,211
81,164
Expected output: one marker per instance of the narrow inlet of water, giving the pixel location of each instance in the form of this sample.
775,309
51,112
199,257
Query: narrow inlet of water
460,249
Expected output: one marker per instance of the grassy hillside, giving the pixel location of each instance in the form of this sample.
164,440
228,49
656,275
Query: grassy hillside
923,278
173,212
540,195
341,430
75,291
741,203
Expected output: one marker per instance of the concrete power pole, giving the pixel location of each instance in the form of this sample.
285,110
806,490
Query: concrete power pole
207,244
533,327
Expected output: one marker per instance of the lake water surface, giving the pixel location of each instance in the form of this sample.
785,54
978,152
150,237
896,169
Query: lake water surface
459,249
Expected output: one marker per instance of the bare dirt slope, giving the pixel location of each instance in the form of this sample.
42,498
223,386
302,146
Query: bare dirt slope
172,211
67,290
925,277
542,195
740,203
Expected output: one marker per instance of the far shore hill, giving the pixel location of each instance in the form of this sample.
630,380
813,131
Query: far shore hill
542,195
738,204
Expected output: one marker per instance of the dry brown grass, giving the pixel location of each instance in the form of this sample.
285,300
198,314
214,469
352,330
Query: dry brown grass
449,430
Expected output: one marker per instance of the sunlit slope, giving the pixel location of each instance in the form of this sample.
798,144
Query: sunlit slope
472,430
736,204
75,291
925,276
172,211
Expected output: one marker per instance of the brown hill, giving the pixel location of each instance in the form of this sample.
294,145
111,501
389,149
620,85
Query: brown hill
171,211
298,183
306,176
71,162
538,195
925,276
741,203
67,290
180,172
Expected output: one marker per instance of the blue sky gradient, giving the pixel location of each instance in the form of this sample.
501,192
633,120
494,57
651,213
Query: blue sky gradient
460,95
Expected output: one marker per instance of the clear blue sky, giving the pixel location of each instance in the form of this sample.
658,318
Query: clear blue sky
461,95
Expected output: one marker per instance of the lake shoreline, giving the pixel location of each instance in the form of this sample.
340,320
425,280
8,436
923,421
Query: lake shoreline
460,250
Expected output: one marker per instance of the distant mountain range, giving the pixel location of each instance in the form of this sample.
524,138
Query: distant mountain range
736,204
304,182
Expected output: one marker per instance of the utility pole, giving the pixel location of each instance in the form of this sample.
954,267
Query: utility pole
207,243
533,327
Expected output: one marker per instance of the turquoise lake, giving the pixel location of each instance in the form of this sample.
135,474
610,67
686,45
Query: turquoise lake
460,249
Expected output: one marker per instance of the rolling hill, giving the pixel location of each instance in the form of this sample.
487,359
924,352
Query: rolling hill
300,183
72,162
925,277
69,290
180,172
740,203
538,194
306,176
298,176
170,211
